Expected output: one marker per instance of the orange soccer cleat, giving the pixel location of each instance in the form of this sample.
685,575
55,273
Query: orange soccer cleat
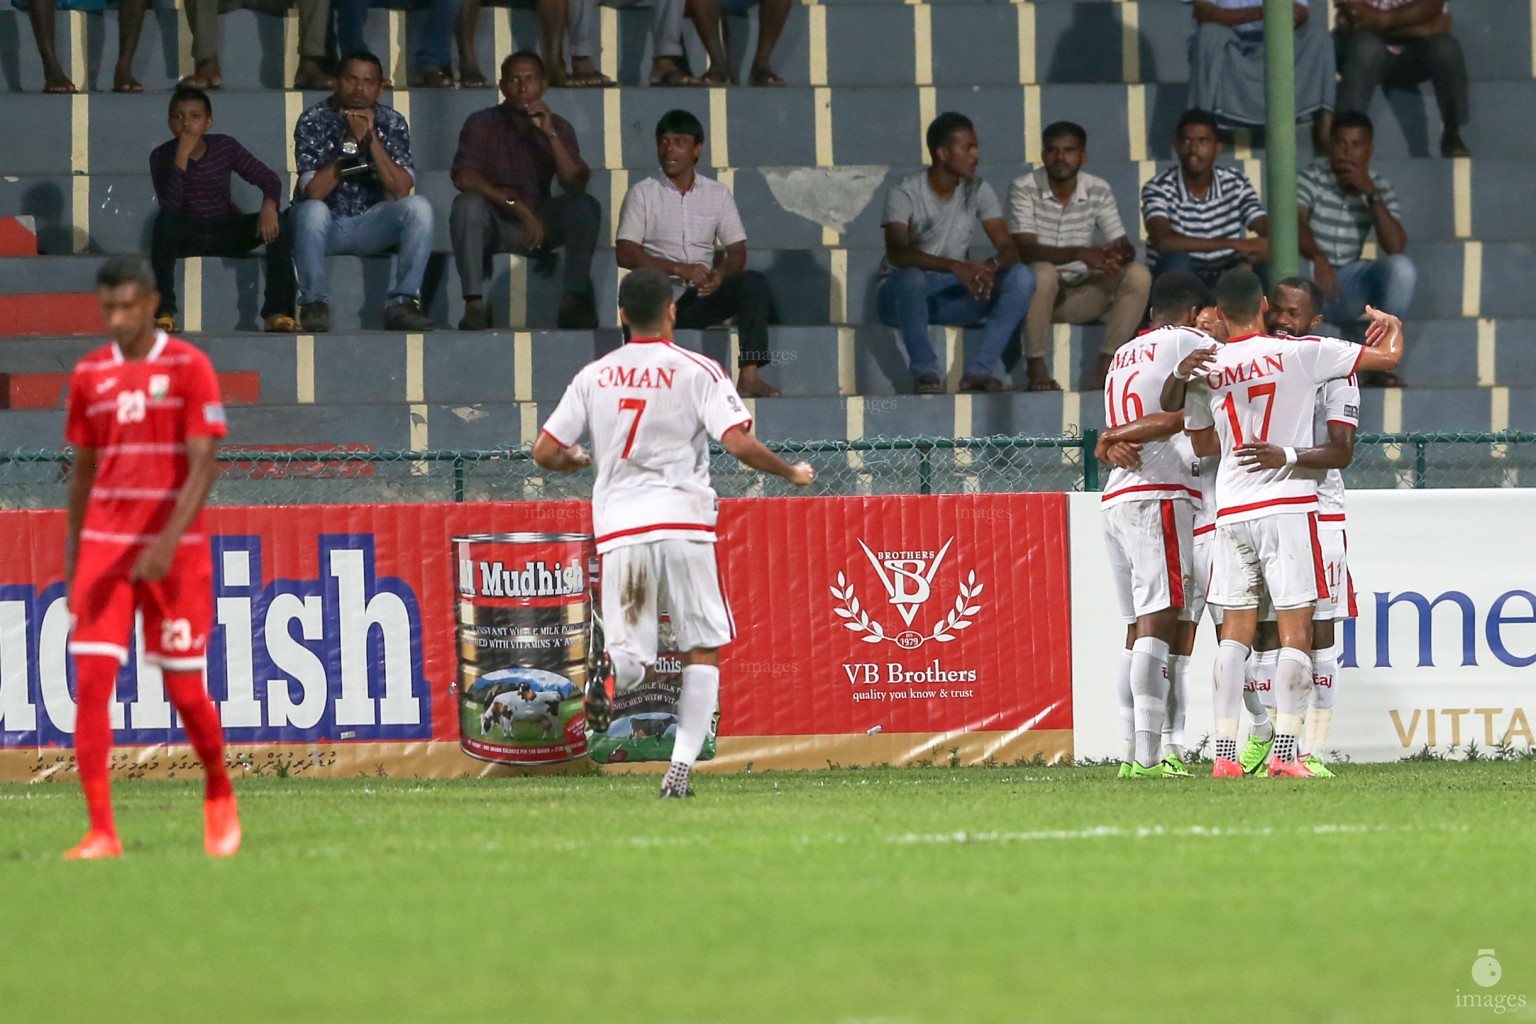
221,827
95,846
1289,770
1226,768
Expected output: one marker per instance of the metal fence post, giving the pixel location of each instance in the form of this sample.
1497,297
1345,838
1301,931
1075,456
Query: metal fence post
1420,464
1090,463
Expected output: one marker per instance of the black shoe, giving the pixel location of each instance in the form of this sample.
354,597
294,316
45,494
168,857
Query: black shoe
1451,144
407,316
577,313
599,705
315,317
477,316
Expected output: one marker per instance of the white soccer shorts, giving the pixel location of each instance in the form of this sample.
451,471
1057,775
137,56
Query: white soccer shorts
679,575
1150,545
1200,581
1278,554
1338,601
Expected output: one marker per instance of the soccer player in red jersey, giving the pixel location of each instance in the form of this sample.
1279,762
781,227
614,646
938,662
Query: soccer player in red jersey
144,420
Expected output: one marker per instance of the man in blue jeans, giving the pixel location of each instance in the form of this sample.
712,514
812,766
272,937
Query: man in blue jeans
1342,203
928,276
354,196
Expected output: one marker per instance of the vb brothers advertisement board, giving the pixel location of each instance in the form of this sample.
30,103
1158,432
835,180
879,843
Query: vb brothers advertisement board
870,630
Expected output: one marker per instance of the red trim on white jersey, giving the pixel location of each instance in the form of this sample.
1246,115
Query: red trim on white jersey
715,370
1201,531
553,438
1171,556
1152,487
1307,499
725,602
1344,423
745,424
654,528
1318,565
1330,517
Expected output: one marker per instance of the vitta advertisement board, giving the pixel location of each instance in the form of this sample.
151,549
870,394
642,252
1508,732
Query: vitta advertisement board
1440,655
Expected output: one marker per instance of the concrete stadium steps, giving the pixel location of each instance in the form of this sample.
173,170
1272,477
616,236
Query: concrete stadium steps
400,425
812,286
106,134
791,208
497,367
841,43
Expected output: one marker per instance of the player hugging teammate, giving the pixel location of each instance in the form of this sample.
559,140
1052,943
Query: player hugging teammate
1269,413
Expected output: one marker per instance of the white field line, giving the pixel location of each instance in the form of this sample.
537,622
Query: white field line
1158,832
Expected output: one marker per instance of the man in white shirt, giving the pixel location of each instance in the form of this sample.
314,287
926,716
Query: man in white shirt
1259,388
650,409
1148,510
687,226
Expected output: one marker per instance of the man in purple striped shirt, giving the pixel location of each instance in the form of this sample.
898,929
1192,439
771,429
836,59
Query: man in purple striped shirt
198,218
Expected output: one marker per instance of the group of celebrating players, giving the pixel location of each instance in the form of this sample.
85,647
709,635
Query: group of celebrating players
1228,426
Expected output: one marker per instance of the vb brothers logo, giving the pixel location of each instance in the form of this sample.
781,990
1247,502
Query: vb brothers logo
908,580
1487,972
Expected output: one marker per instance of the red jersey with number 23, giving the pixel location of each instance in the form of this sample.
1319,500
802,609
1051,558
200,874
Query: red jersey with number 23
137,415
1261,388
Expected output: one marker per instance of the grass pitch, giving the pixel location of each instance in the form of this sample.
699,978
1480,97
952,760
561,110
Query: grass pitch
846,897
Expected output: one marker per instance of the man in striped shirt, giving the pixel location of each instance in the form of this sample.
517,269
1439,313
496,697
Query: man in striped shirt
1197,214
1055,215
1341,203
197,217
687,226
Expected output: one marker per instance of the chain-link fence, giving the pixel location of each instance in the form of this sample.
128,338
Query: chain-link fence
879,465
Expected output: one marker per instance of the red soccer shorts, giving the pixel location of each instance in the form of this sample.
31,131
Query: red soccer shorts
178,610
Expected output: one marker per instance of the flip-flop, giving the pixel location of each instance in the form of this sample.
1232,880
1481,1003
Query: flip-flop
675,78
67,89
433,78
474,80
1043,384
589,80
765,78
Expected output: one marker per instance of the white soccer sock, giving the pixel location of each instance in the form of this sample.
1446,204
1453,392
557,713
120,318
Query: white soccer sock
1325,686
1178,704
1293,670
1268,662
1149,694
695,707
628,670
1227,695
1127,713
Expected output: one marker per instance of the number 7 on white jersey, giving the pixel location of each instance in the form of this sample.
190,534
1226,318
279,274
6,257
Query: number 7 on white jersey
637,406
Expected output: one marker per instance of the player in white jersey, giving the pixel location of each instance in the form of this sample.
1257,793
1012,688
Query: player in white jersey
1148,507
1293,313
1259,388
650,409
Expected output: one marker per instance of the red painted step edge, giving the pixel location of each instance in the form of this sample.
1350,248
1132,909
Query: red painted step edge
48,390
22,315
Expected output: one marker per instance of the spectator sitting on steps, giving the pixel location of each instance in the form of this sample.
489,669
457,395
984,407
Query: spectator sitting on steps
198,218
928,276
354,196
508,156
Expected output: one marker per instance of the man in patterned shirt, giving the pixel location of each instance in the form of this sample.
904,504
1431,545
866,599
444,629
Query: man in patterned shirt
354,196
1342,203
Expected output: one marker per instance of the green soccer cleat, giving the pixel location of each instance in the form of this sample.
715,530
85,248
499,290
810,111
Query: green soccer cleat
1255,754
1157,771
1317,767
1125,770
1176,768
